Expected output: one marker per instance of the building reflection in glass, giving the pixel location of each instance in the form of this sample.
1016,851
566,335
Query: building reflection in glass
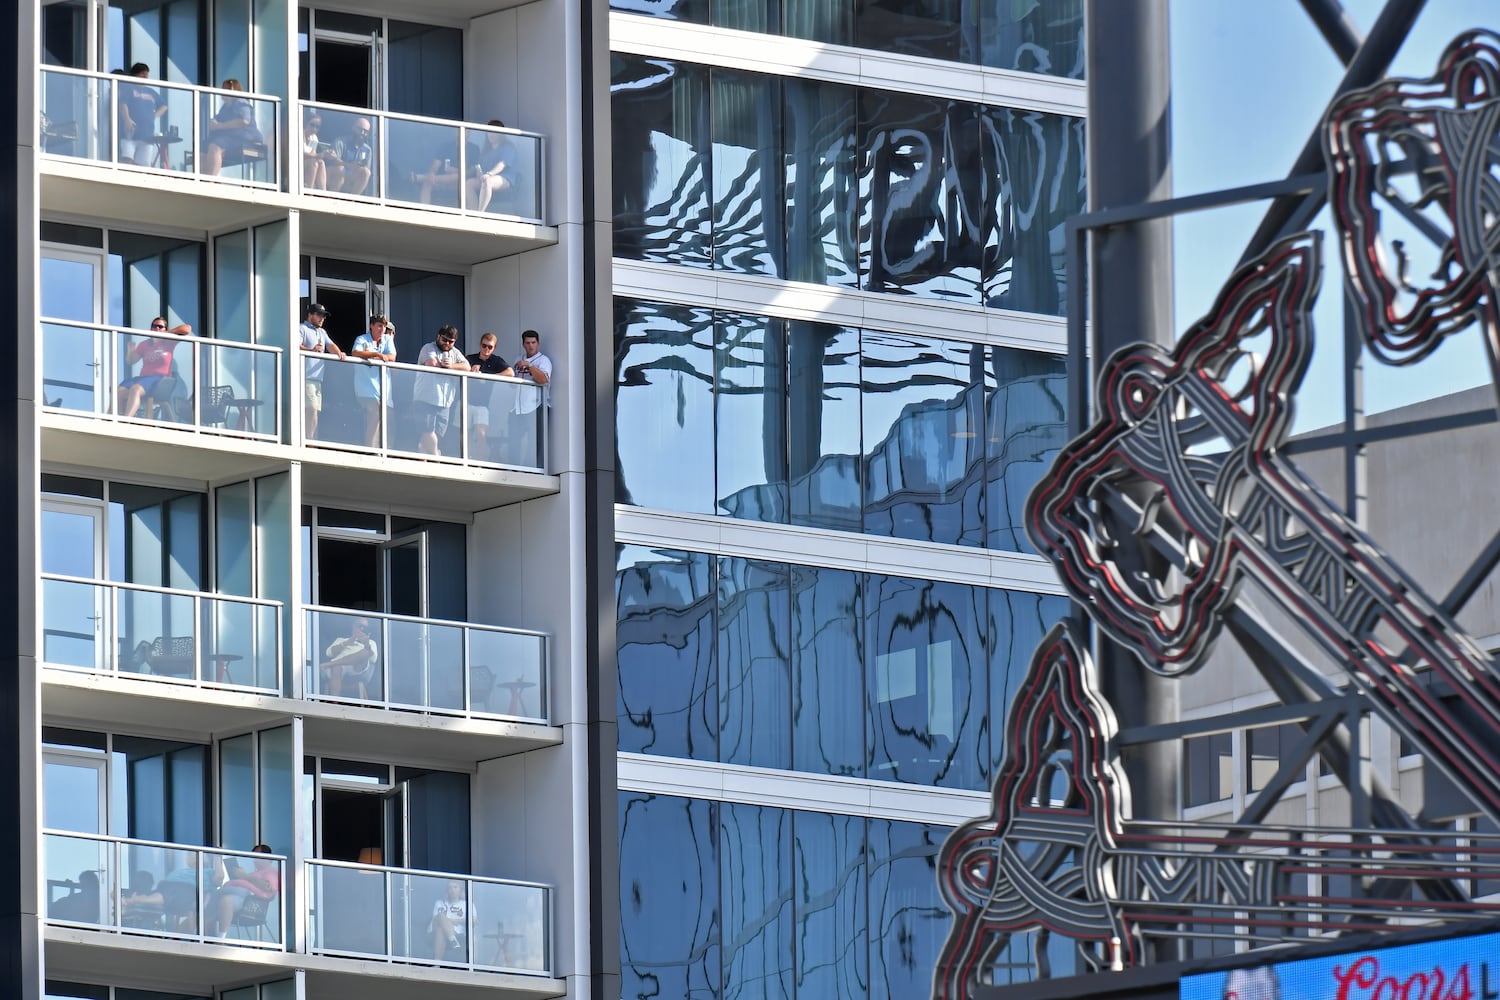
759,663
839,185
808,423
813,904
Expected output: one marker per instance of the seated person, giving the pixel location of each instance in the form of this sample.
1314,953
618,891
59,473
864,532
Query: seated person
231,130
449,925
314,154
82,903
155,357
353,160
262,882
487,171
443,172
351,659
175,897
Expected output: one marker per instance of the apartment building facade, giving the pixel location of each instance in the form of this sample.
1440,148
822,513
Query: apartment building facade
305,637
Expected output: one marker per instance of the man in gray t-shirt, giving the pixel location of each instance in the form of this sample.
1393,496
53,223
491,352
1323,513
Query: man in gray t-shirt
314,340
435,394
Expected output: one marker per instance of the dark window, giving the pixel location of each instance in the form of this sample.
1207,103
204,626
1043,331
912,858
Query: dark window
1266,748
828,726
669,897
754,663
823,425
926,684
756,888
1042,37
668,701
664,403
747,182
929,28
661,152
1209,769
822,190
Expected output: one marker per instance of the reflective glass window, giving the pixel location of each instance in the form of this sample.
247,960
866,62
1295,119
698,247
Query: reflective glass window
1041,36
1035,167
669,897
664,402
748,15
830,21
750,416
926,684
756,889
692,11
822,185
1017,621
668,702
923,438
828,726
930,28
754,663
830,906
661,155
1026,424
922,196
823,425
748,189
908,921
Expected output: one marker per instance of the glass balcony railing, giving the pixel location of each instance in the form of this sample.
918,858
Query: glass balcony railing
166,890
126,121
424,665
425,162
214,386
413,916
170,635
433,413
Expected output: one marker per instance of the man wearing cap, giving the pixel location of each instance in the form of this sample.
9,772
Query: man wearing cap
315,340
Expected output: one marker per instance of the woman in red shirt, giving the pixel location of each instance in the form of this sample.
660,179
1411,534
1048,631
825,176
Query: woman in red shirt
155,357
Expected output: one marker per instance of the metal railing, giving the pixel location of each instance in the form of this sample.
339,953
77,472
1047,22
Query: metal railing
430,163
205,132
420,664
214,386
180,636
450,416
166,890
403,915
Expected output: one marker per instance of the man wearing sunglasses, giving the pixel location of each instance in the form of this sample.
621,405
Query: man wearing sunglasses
353,160
435,394
155,357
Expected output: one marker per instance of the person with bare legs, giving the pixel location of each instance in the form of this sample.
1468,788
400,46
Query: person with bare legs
231,130
375,348
435,394
488,175
155,357
316,341
450,923
350,659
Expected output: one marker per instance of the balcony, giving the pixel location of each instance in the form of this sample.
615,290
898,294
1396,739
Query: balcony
133,124
172,636
430,413
214,386
488,925
142,887
421,665
426,163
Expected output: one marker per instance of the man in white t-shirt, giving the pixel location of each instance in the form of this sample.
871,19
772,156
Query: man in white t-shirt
537,367
435,394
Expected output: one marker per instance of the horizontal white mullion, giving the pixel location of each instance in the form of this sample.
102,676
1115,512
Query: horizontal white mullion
763,53
798,790
798,300
807,546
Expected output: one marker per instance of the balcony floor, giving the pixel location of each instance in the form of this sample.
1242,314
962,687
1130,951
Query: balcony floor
414,483
83,698
202,968
87,442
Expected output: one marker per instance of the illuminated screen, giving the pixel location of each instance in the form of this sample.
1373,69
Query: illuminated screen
1461,969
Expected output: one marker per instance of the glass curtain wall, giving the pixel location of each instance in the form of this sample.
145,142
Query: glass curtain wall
821,182
728,899
813,424
1037,36
749,662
